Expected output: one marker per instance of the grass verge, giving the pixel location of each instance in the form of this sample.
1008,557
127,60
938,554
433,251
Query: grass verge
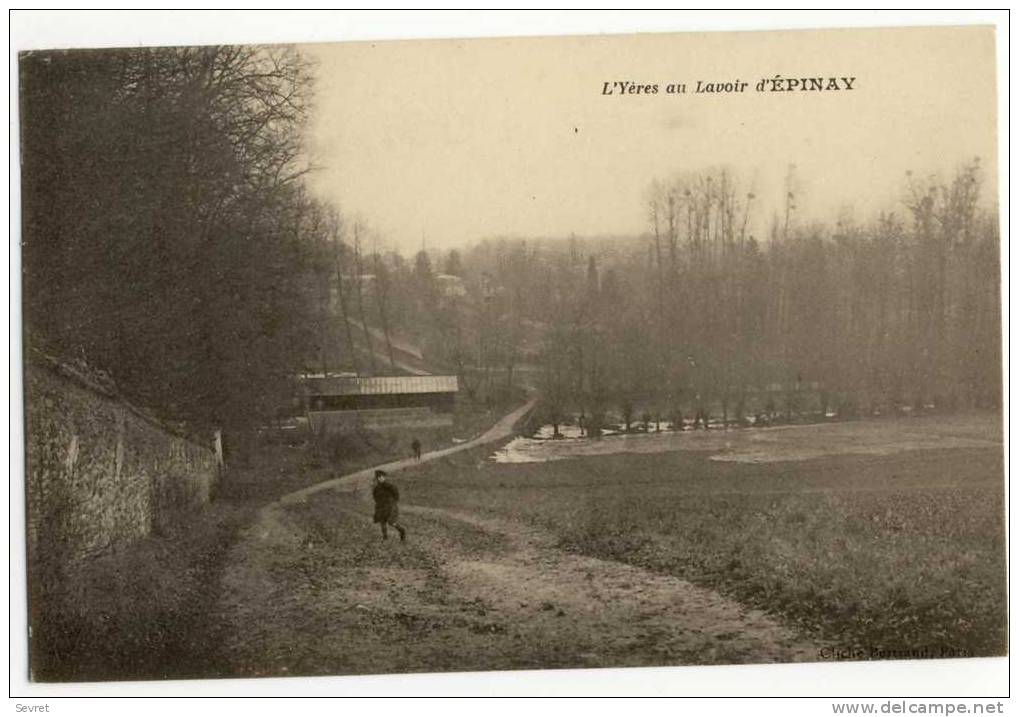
139,613
875,553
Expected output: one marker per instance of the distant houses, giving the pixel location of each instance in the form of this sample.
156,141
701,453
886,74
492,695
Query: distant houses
450,286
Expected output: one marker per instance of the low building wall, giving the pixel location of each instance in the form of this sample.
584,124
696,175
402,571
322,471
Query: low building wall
329,421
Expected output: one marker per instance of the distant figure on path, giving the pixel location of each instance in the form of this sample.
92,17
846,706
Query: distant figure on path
416,447
387,510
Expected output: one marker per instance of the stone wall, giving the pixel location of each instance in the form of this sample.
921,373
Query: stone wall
101,473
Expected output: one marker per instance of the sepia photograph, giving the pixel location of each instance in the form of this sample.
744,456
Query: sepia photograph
512,353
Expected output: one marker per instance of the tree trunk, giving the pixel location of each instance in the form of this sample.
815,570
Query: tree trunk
382,294
346,317
360,300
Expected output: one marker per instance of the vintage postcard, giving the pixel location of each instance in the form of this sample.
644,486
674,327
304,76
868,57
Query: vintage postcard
525,353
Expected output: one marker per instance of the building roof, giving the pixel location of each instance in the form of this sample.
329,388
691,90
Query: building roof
379,385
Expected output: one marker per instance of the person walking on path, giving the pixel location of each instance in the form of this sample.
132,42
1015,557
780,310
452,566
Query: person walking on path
415,446
387,510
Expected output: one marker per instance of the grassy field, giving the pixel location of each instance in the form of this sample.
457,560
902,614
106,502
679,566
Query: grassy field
271,469
873,553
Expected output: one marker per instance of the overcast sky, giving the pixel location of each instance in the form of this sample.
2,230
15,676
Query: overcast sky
458,140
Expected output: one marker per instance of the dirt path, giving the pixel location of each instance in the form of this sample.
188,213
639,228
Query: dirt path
627,615
311,589
401,352
503,428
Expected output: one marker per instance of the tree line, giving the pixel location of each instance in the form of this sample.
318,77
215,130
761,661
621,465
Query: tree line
898,313
168,238
700,320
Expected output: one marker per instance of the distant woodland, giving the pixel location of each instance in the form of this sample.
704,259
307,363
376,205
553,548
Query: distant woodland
170,241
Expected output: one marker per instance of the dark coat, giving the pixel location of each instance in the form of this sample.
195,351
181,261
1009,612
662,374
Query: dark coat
386,497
